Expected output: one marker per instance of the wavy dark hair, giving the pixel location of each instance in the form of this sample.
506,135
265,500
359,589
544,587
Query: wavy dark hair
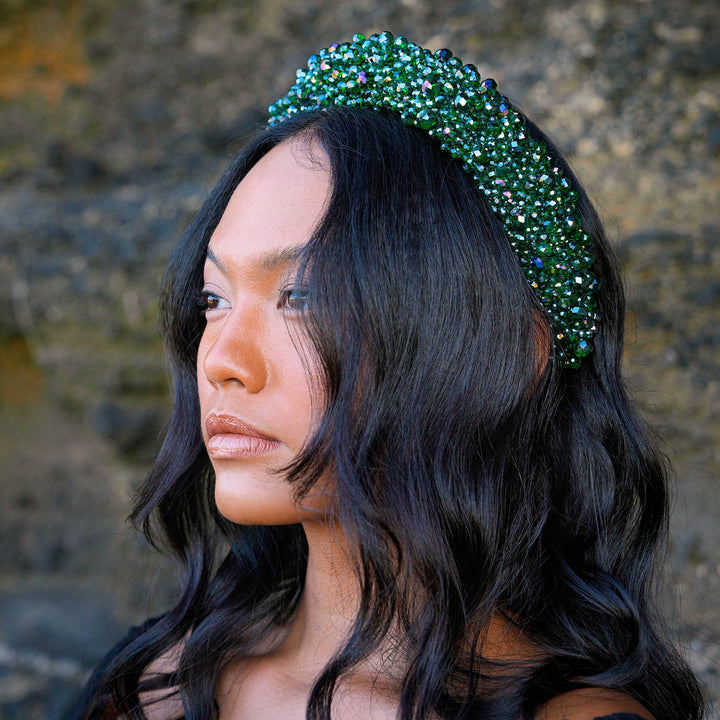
466,464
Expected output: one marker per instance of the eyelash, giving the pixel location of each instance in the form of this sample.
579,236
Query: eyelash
204,300
293,298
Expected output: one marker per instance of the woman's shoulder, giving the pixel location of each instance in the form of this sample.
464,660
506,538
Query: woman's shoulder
162,704
594,704
157,704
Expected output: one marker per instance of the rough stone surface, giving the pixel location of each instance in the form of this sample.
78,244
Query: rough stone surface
116,117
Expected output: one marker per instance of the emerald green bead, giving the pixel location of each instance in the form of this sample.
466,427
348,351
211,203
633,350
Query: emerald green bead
425,120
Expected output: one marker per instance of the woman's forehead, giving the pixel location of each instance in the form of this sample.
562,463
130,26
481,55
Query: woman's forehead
276,207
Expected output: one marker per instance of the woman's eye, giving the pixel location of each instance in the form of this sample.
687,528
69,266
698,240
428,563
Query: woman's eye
209,301
293,298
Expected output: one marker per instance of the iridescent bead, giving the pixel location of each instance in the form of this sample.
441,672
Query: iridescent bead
425,120
470,72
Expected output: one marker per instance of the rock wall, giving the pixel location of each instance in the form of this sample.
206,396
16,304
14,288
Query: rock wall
117,116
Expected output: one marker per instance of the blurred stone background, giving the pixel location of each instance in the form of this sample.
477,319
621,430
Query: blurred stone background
117,116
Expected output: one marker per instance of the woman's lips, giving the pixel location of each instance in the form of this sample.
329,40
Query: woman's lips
229,446
229,438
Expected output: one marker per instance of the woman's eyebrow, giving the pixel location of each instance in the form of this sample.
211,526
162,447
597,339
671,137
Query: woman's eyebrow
282,256
215,261
267,261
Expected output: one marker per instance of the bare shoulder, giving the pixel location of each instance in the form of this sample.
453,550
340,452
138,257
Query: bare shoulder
591,703
162,704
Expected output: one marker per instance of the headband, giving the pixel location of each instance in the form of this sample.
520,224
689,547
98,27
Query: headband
475,124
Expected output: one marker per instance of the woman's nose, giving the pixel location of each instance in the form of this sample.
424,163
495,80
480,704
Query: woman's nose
231,351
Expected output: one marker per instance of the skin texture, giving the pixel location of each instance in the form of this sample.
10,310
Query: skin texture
249,361
252,364
255,365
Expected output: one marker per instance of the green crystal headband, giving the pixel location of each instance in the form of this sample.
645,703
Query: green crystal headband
475,124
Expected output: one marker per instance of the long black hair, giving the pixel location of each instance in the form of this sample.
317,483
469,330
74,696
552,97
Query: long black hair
475,477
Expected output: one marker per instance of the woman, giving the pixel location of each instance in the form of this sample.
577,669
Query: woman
402,475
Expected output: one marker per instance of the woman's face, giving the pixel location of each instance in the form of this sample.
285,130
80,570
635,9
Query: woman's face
255,393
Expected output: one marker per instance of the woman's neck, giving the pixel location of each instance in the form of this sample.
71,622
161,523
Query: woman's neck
277,681
329,602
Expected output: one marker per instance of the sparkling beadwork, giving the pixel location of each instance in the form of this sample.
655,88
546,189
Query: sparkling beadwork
474,123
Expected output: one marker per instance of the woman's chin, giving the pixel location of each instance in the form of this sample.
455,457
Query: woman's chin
248,498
